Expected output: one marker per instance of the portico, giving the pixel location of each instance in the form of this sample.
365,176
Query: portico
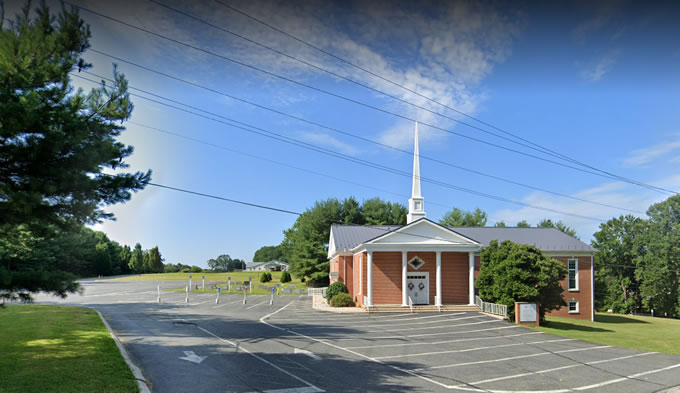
439,257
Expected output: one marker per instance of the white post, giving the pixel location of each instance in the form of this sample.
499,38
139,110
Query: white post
217,299
244,295
203,283
189,282
229,284
159,294
471,277
271,298
250,285
438,300
404,290
186,299
369,279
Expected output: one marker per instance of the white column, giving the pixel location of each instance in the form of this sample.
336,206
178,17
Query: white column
439,279
404,291
471,279
369,278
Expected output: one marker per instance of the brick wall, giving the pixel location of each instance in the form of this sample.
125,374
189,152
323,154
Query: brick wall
455,280
387,278
583,295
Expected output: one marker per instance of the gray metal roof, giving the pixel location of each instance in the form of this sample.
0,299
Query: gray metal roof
347,237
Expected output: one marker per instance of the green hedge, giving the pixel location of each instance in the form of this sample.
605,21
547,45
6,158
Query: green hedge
285,277
265,277
342,300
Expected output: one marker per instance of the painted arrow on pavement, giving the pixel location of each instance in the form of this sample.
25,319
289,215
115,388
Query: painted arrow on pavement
308,353
192,357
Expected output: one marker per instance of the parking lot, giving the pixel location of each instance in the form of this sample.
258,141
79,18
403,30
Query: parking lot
203,346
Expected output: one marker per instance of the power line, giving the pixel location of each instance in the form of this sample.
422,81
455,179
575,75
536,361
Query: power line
480,173
536,146
335,74
273,135
655,188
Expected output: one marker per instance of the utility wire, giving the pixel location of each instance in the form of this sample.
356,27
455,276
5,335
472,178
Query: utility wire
273,135
533,146
655,188
261,158
476,172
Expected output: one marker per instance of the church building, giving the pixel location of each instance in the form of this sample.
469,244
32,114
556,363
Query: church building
424,263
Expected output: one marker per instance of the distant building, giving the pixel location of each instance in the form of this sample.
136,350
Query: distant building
271,266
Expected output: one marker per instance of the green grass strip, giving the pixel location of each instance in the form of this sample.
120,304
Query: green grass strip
59,349
642,333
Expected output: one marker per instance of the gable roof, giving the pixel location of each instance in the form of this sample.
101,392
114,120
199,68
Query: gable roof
256,264
348,237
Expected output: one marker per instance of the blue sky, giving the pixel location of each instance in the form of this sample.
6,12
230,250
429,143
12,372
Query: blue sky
598,83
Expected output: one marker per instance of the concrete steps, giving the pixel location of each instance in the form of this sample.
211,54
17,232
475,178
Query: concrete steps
427,308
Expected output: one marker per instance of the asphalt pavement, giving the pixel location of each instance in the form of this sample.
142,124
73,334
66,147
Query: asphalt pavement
287,347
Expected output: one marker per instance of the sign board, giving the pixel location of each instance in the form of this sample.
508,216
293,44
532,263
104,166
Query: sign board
219,289
229,278
189,277
273,290
527,312
333,275
277,285
204,277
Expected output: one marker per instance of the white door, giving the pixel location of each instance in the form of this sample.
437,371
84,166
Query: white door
418,287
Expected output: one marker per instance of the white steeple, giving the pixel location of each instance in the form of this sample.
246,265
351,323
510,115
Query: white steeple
416,204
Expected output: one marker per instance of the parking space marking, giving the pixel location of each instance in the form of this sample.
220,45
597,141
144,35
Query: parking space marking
509,358
445,341
258,304
633,376
310,385
433,327
407,355
366,323
444,333
226,304
559,368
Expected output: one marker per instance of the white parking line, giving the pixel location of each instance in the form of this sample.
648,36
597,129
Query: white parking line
597,385
226,304
429,334
258,304
434,327
445,341
363,323
431,327
408,355
509,358
311,386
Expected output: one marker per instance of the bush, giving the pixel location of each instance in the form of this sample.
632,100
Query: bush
186,270
196,269
285,277
265,277
335,289
342,300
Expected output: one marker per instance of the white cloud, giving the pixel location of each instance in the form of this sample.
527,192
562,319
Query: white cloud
646,155
603,66
329,141
615,194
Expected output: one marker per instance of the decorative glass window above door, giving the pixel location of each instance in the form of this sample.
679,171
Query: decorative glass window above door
416,263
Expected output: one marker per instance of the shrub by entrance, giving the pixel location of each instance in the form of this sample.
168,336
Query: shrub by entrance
342,300
335,289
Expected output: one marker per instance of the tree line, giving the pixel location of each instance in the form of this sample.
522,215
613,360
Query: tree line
305,244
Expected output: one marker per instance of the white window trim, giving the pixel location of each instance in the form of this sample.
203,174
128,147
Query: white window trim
577,311
575,260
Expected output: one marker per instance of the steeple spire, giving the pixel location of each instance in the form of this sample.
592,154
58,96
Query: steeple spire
416,204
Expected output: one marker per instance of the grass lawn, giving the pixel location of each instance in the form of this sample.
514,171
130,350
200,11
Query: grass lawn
643,333
183,280
59,349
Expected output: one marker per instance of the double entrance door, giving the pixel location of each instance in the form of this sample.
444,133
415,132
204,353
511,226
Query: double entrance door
418,286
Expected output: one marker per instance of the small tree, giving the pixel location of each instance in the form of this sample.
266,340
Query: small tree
265,277
196,269
285,277
513,272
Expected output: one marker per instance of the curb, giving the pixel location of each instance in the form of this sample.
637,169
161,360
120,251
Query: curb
141,381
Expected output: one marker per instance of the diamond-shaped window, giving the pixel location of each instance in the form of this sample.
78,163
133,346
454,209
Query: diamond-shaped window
416,263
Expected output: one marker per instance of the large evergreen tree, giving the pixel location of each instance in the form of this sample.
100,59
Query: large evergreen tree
513,272
54,146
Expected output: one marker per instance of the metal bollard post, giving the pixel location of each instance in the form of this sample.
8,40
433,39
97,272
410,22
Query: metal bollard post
186,299
203,283
271,298
245,291
217,300
159,294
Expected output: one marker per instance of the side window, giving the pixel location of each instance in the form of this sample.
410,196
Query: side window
573,307
573,274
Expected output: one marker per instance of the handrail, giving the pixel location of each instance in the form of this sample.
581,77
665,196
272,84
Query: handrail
492,308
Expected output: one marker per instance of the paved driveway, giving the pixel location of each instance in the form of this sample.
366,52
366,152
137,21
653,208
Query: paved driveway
201,346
